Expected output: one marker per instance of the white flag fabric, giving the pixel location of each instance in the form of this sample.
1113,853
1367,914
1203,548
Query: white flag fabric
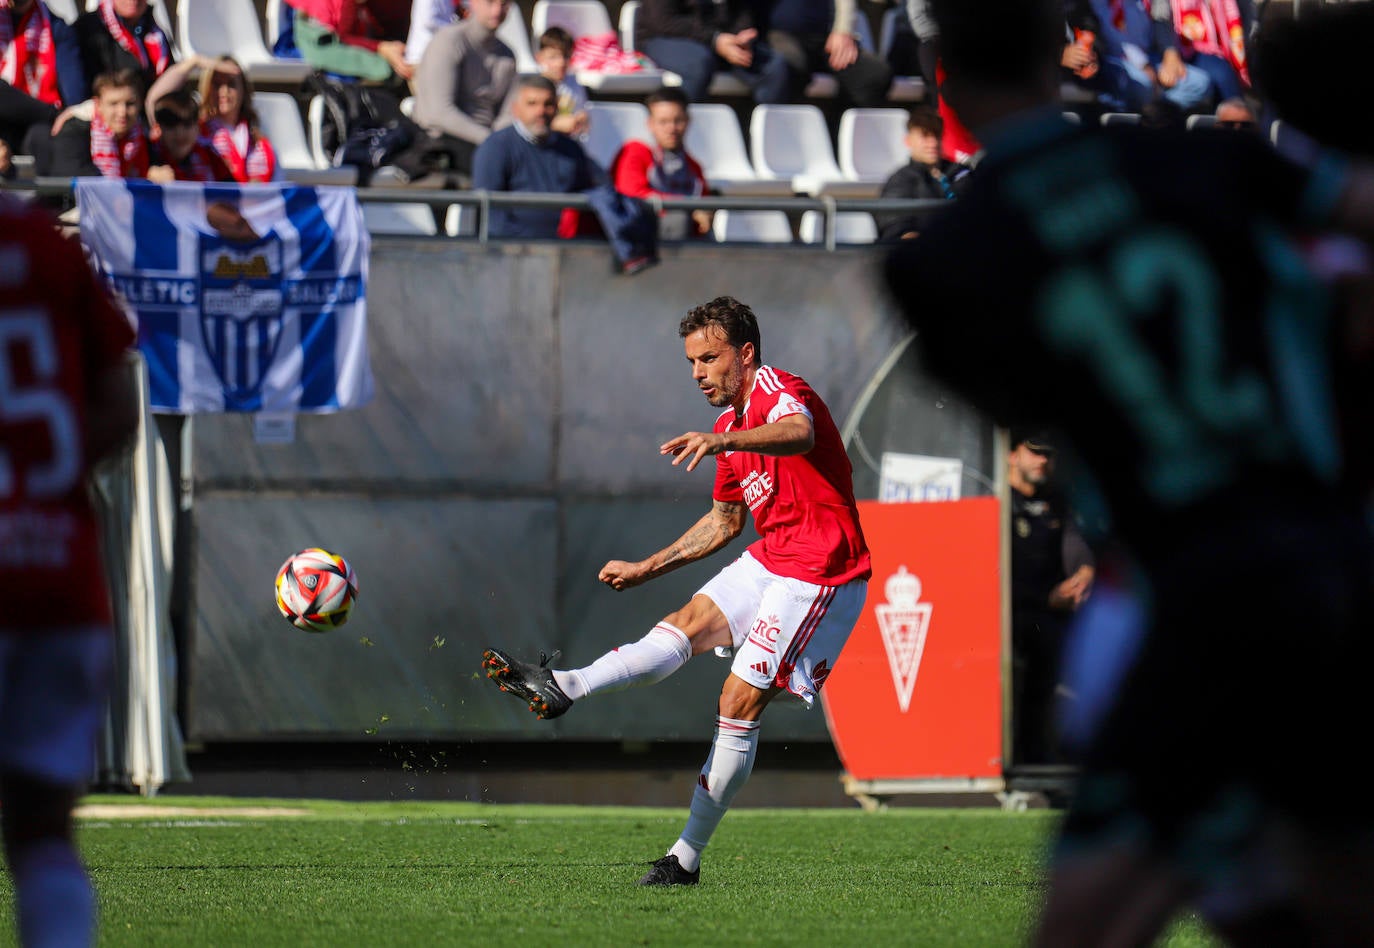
249,298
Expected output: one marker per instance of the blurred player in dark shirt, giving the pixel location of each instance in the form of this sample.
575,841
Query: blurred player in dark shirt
1147,292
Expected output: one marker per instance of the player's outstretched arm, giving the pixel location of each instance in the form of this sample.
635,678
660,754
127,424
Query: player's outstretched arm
791,434
721,525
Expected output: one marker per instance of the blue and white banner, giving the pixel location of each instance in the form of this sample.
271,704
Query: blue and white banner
249,298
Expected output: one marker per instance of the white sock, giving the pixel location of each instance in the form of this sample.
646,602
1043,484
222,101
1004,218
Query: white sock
727,769
53,895
653,658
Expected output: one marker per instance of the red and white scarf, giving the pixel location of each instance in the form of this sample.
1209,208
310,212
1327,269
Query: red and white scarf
28,59
153,52
1213,27
125,157
259,164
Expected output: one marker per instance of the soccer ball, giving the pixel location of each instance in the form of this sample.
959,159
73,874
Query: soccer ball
316,590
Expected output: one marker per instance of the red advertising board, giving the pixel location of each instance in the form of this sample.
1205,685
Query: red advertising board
917,690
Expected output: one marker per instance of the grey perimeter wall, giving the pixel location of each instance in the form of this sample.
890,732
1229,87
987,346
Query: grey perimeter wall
522,393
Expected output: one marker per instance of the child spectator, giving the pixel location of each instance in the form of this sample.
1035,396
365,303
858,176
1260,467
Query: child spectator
178,153
227,118
553,57
926,177
111,142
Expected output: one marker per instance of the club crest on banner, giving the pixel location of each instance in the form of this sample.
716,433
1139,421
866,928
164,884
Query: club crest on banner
904,621
241,311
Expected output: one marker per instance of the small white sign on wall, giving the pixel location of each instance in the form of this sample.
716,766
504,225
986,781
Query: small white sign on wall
908,477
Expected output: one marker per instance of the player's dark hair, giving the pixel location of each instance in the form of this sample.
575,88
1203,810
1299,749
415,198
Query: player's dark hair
536,82
1003,42
732,317
555,37
927,120
666,94
118,79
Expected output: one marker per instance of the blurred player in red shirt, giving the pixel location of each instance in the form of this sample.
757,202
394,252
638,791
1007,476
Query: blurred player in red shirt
784,609
66,400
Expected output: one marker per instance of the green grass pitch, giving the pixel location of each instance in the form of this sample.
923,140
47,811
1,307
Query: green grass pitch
259,873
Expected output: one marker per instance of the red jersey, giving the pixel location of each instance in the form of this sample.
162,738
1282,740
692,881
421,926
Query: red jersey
58,330
803,504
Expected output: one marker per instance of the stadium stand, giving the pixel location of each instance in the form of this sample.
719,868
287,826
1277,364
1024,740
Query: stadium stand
792,143
590,18
403,218
280,117
755,227
230,27
715,140
513,33
871,143
851,227
611,124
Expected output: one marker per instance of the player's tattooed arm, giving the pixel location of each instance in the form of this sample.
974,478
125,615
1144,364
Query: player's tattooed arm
722,524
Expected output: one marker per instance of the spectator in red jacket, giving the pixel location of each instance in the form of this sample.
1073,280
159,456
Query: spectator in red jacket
664,168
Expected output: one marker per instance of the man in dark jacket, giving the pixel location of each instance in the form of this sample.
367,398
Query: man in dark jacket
927,177
698,38
40,73
122,34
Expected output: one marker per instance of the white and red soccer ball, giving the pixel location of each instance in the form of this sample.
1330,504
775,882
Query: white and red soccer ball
316,590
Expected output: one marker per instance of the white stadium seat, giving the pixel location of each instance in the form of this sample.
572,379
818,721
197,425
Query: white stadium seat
314,118
792,143
230,27
590,18
611,125
512,33
280,119
1201,121
66,9
406,219
872,143
759,227
714,139
460,220
1120,118
851,227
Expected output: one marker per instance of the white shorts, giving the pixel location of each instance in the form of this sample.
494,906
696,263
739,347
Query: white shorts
54,688
785,632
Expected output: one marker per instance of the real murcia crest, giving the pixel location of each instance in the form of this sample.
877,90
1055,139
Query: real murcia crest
904,621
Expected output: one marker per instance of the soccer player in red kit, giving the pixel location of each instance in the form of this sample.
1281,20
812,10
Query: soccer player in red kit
66,399
784,609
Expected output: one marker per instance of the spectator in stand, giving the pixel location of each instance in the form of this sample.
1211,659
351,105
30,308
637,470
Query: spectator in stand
818,36
40,72
227,118
529,155
1211,35
428,17
122,34
1235,113
111,142
365,39
178,153
698,38
554,56
926,177
1140,60
664,169
463,83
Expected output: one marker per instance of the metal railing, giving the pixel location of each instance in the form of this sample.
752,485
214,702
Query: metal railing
484,201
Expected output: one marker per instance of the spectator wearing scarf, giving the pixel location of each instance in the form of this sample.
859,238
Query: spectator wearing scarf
40,72
119,147
1211,36
228,121
122,34
663,168
178,152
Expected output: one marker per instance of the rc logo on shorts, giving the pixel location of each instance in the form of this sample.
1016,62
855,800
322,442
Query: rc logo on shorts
904,621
